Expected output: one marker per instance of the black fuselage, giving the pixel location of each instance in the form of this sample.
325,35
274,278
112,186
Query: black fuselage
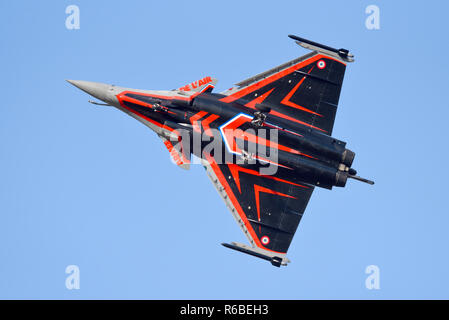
322,160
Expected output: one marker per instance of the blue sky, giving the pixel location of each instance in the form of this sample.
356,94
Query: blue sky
89,186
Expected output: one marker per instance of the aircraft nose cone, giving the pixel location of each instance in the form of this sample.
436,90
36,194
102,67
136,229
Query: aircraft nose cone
101,91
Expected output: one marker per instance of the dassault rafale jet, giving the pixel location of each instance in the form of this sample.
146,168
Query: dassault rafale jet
265,143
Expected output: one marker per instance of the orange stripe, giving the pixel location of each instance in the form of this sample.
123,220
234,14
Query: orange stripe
141,115
156,95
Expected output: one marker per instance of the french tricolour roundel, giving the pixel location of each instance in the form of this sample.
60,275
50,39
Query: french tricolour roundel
321,64
265,240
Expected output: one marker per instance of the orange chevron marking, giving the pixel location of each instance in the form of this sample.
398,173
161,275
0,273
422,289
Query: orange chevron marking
258,189
235,169
287,101
206,122
260,99
194,122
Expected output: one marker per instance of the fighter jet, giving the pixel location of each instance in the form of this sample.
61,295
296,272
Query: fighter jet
265,143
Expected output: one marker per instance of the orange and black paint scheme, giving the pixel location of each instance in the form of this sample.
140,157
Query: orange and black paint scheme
299,101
